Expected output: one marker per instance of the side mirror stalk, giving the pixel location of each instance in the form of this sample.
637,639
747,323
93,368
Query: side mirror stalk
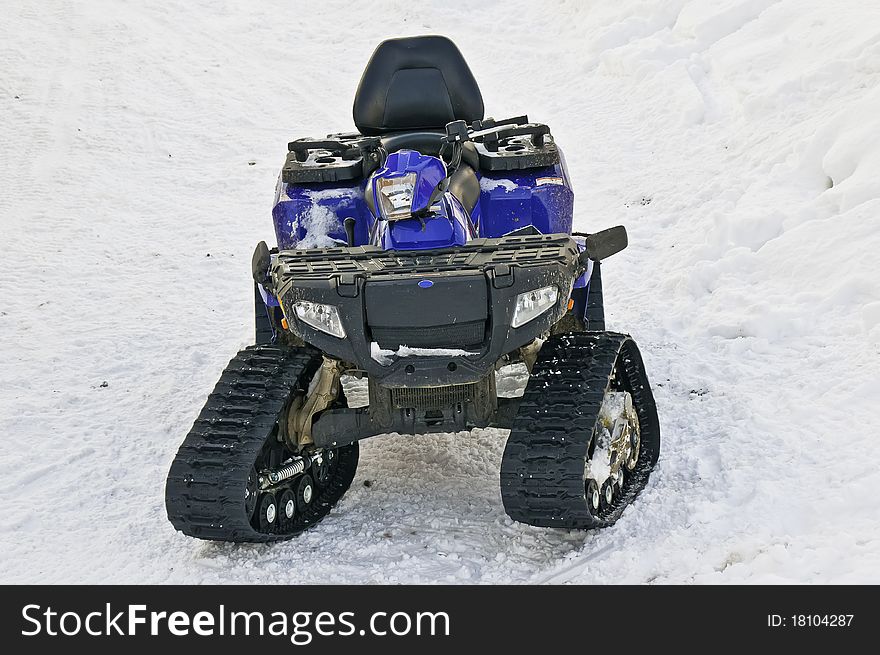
601,245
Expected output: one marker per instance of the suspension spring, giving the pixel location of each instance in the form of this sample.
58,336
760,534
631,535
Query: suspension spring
293,466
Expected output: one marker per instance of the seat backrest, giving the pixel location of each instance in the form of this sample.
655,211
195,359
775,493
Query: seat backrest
416,83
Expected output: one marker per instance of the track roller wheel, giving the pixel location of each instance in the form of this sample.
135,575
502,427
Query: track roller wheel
305,492
268,512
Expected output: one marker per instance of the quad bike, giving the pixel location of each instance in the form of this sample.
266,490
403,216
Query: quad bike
424,253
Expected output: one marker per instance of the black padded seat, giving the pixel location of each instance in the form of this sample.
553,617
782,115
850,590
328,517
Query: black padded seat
416,83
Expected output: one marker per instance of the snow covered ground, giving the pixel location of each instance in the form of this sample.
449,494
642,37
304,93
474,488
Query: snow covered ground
738,140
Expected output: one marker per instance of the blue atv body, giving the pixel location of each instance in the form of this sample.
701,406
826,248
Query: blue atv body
424,252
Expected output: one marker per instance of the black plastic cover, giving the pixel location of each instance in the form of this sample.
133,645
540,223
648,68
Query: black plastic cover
412,311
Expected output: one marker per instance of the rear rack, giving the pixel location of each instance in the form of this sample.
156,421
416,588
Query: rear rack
351,156
529,146
337,158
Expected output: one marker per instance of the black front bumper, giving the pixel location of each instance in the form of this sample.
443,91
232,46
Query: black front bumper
453,299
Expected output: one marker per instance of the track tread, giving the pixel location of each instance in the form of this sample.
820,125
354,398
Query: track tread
204,493
543,465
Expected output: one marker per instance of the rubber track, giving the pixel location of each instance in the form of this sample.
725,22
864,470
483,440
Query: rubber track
205,490
543,466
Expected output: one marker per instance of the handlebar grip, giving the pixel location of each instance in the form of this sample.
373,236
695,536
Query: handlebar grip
457,131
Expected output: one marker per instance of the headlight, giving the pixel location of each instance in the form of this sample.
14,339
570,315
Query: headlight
321,317
395,195
532,304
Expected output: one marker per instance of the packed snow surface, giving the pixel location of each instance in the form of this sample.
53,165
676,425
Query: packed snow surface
738,140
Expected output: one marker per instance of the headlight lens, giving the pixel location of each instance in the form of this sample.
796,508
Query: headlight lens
321,317
395,195
532,304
